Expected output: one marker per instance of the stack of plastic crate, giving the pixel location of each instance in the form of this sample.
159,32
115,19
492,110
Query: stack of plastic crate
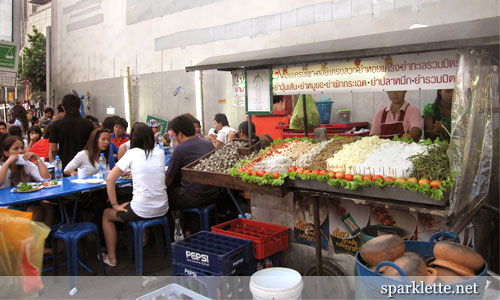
212,264
268,239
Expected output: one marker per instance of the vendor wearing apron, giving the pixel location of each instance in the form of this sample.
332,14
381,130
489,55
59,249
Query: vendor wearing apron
399,118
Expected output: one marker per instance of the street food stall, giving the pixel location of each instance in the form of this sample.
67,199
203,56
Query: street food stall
327,199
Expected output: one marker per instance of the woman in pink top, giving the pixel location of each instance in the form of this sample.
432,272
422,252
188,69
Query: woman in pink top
399,118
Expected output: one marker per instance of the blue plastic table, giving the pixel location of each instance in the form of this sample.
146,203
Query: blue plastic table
8,198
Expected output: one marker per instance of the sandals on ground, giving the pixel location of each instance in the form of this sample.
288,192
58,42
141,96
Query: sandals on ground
105,259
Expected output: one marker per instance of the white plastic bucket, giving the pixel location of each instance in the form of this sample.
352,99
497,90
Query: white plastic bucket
276,283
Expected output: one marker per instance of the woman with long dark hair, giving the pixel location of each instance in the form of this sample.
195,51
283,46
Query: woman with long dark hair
19,118
34,135
437,116
94,204
147,165
98,143
42,146
16,167
29,117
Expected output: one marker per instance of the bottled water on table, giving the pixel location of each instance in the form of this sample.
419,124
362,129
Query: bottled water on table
178,235
102,167
58,170
172,144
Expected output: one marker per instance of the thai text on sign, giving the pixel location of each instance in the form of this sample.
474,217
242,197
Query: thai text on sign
432,70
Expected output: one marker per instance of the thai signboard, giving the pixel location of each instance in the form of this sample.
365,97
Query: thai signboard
8,57
432,70
258,91
238,78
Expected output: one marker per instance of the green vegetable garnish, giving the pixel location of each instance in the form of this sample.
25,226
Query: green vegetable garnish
24,187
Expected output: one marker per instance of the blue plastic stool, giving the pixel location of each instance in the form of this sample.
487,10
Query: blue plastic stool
203,213
138,227
71,234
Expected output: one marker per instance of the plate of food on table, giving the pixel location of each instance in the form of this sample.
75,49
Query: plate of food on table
25,187
51,183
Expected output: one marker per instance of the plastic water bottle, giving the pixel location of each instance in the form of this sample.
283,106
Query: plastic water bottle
248,216
178,235
172,145
58,170
102,167
162,147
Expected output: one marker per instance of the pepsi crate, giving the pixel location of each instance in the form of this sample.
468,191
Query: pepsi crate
212,286
183,270
211,252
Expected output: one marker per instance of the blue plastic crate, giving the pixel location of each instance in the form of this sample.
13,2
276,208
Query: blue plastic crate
183,270
211,252
215,287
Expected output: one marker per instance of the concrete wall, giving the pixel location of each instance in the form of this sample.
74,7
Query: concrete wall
41,18
153,94
96,40
104,93
100,38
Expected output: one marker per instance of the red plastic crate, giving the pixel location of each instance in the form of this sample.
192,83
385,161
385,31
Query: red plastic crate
267,238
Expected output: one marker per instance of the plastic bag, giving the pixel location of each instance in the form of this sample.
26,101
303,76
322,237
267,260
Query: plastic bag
21,254
313,119
471,149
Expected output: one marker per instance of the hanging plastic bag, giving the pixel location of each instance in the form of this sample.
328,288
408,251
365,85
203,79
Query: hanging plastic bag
313,119
21,254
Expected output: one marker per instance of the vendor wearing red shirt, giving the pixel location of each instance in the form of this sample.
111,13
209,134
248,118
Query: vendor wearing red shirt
119,136
399,118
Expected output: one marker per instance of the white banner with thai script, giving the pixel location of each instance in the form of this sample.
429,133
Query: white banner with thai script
430,70
238,83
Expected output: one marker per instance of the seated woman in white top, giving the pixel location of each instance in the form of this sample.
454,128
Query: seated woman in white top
88,158
147,165
16,169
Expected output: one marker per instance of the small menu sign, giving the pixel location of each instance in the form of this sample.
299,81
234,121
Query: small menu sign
258,91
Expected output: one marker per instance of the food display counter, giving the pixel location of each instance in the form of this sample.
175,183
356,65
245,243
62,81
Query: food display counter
300,167
359,189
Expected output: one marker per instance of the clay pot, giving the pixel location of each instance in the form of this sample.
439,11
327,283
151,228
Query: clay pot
459,258
373,268
448,276
432,275
412,265
386,247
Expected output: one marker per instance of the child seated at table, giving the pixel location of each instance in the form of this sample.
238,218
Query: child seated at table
16,167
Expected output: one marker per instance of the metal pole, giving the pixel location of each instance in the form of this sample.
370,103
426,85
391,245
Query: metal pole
317,236
249,130
48,67
304,110
129,91
5,108
202,121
